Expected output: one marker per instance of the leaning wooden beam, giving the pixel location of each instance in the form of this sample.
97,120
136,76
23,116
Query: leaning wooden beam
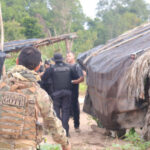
56,39
15,46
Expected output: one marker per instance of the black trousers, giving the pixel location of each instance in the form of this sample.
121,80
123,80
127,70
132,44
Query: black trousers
75,108
62,103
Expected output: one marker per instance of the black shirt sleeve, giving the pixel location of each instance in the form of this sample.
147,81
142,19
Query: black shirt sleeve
46,75
46,81
76,71
79,70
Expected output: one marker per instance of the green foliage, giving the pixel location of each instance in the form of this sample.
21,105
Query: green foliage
84,41
14,10
98,122
82,88
117,16
9,63
136,142
39,18
48,51
78,18
121,147
67,16
31,28
13,30
50,147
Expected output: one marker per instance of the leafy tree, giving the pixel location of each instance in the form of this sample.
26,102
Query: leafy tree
78,17
35,18
84,41
31,28
117,16
14,10
61,15
67,15
13,31
140,8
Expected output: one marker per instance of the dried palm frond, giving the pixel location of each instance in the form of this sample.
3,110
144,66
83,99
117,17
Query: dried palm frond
138,72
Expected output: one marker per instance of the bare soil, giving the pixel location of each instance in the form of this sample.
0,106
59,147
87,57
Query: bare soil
89,139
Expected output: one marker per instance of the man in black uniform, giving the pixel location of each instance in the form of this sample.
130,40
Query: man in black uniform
60,76
77,78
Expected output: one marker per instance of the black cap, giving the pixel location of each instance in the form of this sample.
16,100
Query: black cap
57,57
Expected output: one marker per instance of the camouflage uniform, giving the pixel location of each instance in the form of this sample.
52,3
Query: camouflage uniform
21,103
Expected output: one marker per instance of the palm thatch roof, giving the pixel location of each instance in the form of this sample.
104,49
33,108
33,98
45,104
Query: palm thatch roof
117,78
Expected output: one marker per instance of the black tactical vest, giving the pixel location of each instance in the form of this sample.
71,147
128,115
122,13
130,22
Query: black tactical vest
61,77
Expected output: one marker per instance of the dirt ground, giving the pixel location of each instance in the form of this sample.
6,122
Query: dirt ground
89,139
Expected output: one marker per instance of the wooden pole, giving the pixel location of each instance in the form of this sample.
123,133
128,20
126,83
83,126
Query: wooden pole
2,30
67,46
2,38
69,43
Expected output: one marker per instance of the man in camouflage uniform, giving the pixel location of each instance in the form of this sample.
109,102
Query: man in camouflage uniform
21,102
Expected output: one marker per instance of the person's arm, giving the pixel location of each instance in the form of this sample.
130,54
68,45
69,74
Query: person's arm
46,74
41,74
44,79
79,80
51,122
80,75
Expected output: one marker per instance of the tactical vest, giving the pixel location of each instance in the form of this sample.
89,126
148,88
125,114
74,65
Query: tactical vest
61,77
18,112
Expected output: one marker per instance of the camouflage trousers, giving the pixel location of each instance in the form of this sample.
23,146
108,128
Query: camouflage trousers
29,148
16,145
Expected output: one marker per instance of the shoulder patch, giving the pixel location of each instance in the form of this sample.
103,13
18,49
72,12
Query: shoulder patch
13,99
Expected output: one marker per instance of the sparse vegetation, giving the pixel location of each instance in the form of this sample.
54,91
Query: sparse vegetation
50,147
82,88
9,63
135,142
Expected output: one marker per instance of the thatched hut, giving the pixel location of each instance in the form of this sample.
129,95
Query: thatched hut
118,80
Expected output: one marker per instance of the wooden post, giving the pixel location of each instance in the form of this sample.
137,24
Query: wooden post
69,43
2,30
2,38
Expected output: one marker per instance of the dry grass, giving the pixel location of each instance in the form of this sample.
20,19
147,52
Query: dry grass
135,76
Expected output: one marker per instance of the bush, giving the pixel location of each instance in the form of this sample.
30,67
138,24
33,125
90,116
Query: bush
135,142
50,147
